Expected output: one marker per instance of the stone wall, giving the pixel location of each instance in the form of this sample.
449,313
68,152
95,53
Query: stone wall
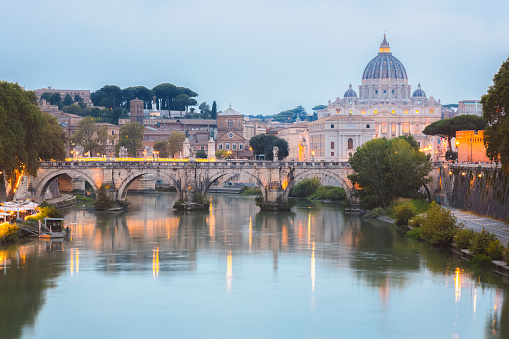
484,191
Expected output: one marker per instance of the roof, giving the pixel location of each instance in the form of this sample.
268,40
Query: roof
384,65
230,111
198,121
343,118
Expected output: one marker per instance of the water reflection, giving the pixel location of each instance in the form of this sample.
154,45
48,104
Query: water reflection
359,263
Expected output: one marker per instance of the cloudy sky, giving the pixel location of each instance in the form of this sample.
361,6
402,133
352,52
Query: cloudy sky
262,56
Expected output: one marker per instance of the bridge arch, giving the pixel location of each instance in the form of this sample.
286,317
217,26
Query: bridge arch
43,185
231,174
320,174
123,188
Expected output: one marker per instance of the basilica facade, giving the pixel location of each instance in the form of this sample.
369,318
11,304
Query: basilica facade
386,98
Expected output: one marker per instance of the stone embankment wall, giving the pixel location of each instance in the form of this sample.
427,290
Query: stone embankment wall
484,191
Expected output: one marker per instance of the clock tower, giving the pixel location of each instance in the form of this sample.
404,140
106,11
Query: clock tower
229,134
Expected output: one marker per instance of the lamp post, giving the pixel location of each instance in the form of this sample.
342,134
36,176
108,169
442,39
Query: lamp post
313,154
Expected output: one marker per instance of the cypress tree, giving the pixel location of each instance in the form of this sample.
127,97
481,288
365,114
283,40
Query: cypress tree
213,114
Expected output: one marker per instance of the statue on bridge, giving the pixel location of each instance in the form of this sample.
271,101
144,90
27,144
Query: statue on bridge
275,153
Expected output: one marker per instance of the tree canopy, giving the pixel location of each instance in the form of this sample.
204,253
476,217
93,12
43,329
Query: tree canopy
291,115
387,170
27,134
264,144
496,113
131,137
176,143
92,138
447,128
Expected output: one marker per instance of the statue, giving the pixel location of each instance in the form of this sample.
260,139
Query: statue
191,152
275,152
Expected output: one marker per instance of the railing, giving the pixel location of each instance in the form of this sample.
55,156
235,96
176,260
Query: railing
193,164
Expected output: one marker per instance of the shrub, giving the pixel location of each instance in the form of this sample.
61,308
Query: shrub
438,226
404,212
245,191
495,250
506,254
8,233
481,260
49,211
329,193
103,200
374,213
201,199
464,237
480,242
414,233
305,187
416,221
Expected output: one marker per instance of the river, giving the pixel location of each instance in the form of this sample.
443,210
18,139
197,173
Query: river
236,272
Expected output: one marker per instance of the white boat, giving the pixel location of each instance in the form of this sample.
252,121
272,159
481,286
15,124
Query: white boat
53,228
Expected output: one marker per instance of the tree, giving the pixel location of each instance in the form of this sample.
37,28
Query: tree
52,146
221,154
204,108
438,225
213,113
386,170
67,100
54,99
45,96
77,98
166,92
162,148
21,134
176,143
139,92
264,144
447,128
496,113
319,107
73,109
106,96
86,136
131,136
201,154
291,115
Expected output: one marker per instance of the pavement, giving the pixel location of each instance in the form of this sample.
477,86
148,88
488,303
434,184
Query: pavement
477,223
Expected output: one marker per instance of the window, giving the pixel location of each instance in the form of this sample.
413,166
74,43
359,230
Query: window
393,112
384,127
234,146
405,111
431,111
241,146
416,111
227,146
331,154
376,112
350,143
368,126
332,145
393,129
112,132
220,146
230,124
338,110
331,126
406,127
363,112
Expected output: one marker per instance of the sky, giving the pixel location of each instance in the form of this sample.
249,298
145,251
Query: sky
262,56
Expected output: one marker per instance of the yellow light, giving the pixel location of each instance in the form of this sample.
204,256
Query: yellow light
480,175
457,143
416,111
463,173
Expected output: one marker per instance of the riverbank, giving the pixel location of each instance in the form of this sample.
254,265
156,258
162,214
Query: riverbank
498,266
64,200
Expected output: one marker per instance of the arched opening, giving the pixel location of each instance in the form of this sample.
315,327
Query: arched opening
63,182
145,183
326,178
350,143
238,179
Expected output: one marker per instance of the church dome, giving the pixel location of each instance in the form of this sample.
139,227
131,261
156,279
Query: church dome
419,92
384,65
350,93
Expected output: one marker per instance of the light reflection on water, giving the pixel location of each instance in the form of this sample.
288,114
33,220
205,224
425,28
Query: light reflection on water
312,272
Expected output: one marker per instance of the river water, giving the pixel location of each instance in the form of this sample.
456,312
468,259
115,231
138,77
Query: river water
236,272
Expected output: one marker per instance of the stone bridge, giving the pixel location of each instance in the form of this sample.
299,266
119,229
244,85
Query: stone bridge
274,178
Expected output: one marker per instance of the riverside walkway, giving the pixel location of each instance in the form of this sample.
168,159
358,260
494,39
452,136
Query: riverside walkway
477,223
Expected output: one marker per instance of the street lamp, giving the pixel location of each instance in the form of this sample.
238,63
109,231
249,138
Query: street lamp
313,154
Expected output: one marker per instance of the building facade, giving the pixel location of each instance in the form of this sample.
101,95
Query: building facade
473,107
230,134
470,146
386,98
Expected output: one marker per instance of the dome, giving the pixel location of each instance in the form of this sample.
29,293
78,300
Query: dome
419,92
384,65
350,93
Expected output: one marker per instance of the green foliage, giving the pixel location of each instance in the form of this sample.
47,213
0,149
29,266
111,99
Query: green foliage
162,148
67,100
506,254
107,96
176,143
222,154
131,136
404,212
305,187
387,170
245,191
495,250
416,221
464,237
53,143
201,154
8,234
319,107
21,132
213,113
122,203
495,105
447,128
264,144
103,200
291,115
201,199
46,210
375,213
439,225
480,242
329,193
414,234
481,260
